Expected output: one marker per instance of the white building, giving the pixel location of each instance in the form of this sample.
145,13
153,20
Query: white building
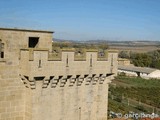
143,72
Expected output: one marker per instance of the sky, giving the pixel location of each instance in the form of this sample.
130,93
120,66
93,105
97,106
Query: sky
85,19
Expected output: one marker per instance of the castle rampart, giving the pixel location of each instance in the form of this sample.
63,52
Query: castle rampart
41,83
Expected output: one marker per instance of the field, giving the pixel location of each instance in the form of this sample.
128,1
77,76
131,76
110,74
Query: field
135,46
134,94
139,49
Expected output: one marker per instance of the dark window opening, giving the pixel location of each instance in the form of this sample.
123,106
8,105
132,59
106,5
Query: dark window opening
2,54
33,41
91,61
39,64
39,78
1,49
67,62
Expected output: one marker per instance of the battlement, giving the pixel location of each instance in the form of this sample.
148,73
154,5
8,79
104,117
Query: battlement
79,54
38,63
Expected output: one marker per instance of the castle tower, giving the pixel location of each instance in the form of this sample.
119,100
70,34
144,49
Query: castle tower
38,82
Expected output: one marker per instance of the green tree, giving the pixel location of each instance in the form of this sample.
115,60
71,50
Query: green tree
141,59
155,64
124,54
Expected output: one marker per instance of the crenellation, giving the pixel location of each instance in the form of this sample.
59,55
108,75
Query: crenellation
56,55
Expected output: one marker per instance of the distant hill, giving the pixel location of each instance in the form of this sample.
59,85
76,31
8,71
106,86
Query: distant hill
140,46
134,43
114,43
61,40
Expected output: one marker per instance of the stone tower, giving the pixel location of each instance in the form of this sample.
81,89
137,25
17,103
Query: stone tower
38,82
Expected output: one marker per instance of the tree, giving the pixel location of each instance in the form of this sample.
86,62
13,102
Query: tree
155,64
124,54
141,59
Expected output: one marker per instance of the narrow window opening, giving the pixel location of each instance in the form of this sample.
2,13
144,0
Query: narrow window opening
2,54
91,61
1,49
39,64
67,62
33,42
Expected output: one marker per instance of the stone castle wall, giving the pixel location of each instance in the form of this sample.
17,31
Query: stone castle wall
14,97
38,83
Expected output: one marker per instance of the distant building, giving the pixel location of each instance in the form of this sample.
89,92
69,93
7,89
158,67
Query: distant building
123,61
143,72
